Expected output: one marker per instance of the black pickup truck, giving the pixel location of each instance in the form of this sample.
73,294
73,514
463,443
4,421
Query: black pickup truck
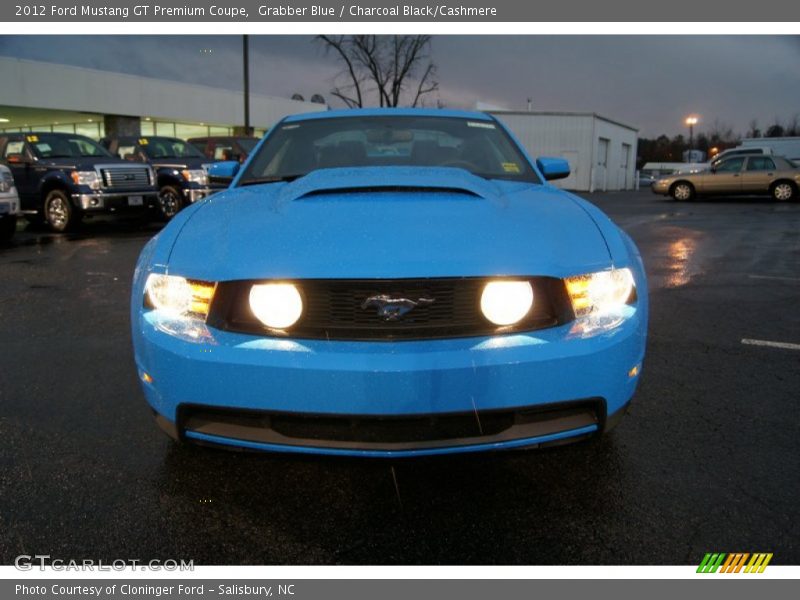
181,169
62,177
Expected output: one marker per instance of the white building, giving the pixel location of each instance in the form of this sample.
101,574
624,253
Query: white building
601,152
46,96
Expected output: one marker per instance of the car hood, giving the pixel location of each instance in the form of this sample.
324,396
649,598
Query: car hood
180,163
83,163
388,223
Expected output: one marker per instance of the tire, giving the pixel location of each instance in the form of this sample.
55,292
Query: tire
682,191
8,225
59,212
170,201
784,191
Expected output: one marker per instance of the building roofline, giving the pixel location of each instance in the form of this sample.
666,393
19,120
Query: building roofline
132,76
560,113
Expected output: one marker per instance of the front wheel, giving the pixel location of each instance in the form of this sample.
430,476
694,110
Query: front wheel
170,201
783,191
8,225
682,192
59,212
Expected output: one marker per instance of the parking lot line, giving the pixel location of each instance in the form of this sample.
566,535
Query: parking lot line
774,277
783,345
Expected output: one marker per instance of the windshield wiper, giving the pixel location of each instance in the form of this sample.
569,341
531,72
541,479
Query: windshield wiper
270,179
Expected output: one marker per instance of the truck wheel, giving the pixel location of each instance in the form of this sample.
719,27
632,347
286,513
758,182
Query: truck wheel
170,200
8,225
783,191
682,191
59,213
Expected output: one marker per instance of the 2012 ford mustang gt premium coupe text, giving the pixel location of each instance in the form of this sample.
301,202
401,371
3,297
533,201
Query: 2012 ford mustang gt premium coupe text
390,282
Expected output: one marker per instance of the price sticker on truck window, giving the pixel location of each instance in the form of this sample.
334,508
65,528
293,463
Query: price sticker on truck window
143,142
32,138
510,167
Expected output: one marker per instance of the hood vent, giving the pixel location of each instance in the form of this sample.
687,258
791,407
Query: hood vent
404,189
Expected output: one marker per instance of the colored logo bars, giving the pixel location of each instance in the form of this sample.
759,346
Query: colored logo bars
735,562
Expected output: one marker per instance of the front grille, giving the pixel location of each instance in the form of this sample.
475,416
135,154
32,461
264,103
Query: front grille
396,431
125,177
333,309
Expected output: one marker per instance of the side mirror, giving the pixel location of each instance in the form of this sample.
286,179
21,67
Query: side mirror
553,168
223,172
18,159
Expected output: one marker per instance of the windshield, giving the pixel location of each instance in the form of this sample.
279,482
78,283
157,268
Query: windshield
161,147
481,147
46,145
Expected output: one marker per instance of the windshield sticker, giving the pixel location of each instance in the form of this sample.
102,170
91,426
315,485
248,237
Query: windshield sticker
288,127
33,138
510,167
143,141
481,125
43,148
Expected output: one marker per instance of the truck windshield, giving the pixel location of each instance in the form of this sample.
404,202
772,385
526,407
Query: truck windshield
53,145
161,147
479,146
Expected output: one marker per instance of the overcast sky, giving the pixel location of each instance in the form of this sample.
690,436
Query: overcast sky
650,82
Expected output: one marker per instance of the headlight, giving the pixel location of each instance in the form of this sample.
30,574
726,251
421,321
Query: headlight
177,296
6,182
195,176
601,292
89,178
506,302
276,305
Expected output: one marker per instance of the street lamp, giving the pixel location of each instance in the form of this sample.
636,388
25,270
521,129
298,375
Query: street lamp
691,121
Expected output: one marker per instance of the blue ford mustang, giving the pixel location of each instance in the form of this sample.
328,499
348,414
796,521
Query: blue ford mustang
389,283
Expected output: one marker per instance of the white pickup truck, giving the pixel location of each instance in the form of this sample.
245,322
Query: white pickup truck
9,204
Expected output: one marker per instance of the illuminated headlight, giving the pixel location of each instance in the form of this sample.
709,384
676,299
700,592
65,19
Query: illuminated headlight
600,293
506,302
198,176
276,305
88,178
179,297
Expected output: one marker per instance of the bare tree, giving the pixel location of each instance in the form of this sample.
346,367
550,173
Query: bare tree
793,125
397,69
721,133
753,130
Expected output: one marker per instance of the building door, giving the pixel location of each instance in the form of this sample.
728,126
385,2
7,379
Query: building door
624,183
601,170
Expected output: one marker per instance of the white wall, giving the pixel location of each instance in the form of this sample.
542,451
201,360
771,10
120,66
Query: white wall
36,84
576,137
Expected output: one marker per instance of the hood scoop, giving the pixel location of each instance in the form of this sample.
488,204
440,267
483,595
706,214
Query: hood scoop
389,179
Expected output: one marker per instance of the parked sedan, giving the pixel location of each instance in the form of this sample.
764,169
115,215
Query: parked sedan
389,282
755,175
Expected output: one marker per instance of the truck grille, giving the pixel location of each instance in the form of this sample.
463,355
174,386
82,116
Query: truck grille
333,309
125,177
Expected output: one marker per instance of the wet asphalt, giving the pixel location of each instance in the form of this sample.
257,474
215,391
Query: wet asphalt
707,460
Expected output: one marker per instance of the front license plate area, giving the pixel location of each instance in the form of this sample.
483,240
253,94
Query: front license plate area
135,200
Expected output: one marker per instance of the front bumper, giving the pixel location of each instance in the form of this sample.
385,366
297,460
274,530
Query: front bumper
189,368
114,201
662,189
9,205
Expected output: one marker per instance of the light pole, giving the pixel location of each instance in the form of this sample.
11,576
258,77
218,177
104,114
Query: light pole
246,67
691,122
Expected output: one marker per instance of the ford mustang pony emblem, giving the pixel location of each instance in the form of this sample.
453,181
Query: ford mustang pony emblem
394,309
